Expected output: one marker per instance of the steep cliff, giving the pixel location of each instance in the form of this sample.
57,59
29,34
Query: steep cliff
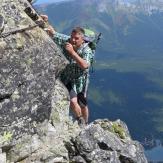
34,105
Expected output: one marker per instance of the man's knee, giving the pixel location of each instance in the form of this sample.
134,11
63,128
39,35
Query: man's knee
73,101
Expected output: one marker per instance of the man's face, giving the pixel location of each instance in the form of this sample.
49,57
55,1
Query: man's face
76,40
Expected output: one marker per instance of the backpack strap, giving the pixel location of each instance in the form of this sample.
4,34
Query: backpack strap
86,82
98,37
85,85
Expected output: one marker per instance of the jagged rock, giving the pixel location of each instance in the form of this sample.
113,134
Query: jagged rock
2,157
102,141
29,64
1,23
35,126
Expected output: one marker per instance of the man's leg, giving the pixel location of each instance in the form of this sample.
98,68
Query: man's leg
85,113
82,101
75,107
77,111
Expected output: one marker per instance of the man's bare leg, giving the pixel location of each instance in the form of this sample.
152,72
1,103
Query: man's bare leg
75,107
77,111
85,113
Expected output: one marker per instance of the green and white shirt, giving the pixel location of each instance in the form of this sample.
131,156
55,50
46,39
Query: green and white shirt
73,73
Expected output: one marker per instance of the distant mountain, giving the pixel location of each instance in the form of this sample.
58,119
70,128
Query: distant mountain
147,6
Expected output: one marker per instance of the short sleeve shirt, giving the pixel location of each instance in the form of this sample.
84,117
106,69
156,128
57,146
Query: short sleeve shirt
73,73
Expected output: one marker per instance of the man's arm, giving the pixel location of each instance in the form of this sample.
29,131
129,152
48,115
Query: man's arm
80,61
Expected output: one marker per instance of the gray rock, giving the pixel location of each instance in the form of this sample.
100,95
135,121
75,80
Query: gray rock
24,148
1,23
99,142
2,157
29,65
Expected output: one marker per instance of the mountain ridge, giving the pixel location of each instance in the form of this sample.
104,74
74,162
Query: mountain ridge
145,6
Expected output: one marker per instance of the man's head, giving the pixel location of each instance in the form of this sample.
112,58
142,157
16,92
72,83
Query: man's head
77,37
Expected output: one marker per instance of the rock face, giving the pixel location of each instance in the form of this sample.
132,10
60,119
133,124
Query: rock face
35,126
29,64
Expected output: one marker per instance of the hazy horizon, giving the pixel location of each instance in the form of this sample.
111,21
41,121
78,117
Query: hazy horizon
49,1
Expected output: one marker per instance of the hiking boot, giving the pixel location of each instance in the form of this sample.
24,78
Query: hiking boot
1,23
81,122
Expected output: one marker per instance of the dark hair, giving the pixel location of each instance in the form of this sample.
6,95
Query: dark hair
78,30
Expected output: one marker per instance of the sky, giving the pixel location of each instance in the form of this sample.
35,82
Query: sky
48,1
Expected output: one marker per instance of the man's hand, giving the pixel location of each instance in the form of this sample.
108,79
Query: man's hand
69,48
50,30
44,17
80,61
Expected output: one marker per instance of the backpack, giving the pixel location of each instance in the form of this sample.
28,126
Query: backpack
92,39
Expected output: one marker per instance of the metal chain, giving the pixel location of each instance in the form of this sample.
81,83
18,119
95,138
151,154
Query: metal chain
3,35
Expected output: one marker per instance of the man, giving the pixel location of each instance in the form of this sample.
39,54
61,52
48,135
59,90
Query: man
75,75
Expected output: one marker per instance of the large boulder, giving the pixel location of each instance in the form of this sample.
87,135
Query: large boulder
29,64
105,141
